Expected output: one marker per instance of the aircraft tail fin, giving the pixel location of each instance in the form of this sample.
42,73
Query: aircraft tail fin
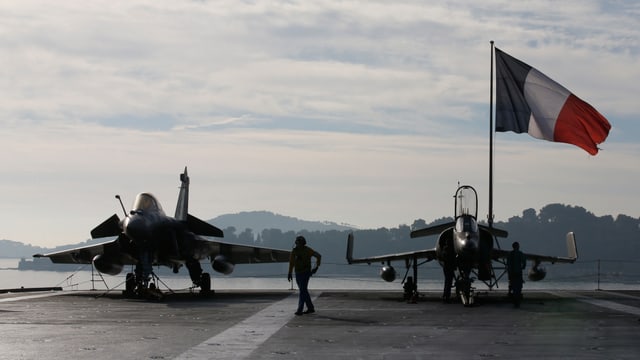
182,207
350,248
572,249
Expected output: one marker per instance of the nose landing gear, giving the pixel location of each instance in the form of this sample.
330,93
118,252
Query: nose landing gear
137,286
465,291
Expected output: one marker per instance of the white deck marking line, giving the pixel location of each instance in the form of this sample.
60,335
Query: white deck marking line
27,297
602,303
620,294
240,340
613,306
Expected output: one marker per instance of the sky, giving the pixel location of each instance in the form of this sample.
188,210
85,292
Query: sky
367,113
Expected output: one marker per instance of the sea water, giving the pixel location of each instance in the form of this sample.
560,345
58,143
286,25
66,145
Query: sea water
86,279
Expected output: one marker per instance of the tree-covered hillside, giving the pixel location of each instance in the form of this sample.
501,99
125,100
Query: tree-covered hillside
543,232
615,241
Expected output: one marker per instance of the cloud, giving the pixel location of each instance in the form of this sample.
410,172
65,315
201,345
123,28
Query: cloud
366,113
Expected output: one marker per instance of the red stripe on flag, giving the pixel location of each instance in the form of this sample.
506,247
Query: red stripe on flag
581,125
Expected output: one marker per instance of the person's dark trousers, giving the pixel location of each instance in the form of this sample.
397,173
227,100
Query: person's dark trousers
302,279
448,280
516,287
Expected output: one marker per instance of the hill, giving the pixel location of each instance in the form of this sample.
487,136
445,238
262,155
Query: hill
15,249
611,241
258,221
232,224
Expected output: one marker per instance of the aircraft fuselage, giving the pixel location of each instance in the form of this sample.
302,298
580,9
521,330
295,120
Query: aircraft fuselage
149,228
466,237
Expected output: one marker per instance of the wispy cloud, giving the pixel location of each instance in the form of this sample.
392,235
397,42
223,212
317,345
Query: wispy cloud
362,112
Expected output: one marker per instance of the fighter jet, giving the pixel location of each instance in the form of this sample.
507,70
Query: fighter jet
147,237
477,254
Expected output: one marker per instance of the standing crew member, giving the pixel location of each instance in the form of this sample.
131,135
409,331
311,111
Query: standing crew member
448,267
300,259
516,262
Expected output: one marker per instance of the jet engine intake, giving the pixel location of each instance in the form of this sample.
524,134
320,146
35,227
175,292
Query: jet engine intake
537,272
388,273
107,265
222,265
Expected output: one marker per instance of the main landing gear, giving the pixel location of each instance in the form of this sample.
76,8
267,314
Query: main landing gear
204,284
198,277
410,286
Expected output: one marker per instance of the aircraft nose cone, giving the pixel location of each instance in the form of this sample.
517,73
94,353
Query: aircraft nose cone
468,242
135,227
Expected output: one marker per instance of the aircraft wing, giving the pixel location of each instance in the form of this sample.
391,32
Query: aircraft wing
84,254
420,254
240,254
495,231
237,254
572,253
109,227
437,229
432,230
202,228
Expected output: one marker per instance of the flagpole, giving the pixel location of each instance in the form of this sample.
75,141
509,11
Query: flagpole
490,215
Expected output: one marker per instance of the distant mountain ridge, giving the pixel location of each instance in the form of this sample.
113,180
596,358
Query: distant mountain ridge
254,220
543,231
15,249
261,220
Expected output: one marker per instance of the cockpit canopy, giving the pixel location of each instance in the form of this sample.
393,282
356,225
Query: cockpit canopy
146,202
466,224
466,202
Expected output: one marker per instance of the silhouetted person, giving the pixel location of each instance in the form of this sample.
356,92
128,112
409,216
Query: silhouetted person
448,267
516,262
300,259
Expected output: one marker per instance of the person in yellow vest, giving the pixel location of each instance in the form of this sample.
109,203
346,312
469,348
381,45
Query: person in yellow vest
300,259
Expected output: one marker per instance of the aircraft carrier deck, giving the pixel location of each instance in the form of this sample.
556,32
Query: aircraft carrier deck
346,325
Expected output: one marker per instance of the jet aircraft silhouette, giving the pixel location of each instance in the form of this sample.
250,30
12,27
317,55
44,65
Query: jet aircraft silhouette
147,237
475,247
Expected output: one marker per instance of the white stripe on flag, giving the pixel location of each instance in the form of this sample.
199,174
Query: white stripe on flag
545,98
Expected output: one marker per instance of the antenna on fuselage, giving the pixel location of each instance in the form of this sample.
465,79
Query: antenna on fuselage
121,205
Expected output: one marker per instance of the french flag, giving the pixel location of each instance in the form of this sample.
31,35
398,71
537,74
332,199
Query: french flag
527,101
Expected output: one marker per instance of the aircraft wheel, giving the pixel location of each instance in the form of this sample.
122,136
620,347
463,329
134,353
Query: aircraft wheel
464,291
458,288
205,283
